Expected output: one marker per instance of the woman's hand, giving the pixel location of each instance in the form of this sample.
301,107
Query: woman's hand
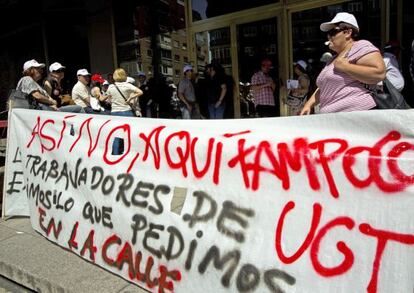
306,110
341,61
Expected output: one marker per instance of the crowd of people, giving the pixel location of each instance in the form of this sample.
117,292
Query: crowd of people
350,69
123,95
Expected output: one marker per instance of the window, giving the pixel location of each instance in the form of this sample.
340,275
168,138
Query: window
354,7
203,9
249,31
165,39
149,52
249,51
269,29
176,44
166,54
184,46
185,59
177,57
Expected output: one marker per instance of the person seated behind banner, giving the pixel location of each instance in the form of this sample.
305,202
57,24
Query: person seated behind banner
100,102
52,83
40,99
105,86
80,91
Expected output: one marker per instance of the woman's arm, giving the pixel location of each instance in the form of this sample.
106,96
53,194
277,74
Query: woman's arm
134,95
309,104
96,92
369,69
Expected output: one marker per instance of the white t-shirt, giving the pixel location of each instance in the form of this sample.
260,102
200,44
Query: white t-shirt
393,73
80,95
118,103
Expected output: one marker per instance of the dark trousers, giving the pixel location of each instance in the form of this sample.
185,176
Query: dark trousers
266,111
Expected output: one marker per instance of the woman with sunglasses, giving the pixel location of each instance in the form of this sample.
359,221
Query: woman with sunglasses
357,63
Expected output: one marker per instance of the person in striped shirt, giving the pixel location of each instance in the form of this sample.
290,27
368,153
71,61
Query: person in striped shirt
341,85
263,88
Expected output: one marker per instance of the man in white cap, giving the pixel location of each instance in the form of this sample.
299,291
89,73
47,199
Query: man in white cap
187,96
80,92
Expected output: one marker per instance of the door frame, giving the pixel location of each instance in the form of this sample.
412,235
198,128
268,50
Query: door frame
232,20
281,10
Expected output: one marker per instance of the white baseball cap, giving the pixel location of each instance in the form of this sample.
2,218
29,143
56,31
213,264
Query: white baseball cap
105,82
302,64
32,63
187,67
130,80
345,17
83,72
56,66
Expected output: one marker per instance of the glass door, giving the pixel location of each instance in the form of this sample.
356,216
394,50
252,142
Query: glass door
256,41
214,47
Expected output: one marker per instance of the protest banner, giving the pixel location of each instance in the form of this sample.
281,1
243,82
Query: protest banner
320,203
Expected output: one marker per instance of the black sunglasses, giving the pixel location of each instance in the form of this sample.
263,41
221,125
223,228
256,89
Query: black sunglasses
333,32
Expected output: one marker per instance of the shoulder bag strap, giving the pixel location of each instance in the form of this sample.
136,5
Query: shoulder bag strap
121,93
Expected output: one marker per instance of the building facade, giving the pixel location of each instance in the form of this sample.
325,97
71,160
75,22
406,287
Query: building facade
160,37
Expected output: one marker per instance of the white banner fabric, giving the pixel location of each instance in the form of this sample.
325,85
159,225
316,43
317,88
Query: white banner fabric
321,203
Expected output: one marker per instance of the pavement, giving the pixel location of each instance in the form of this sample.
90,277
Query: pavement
32,261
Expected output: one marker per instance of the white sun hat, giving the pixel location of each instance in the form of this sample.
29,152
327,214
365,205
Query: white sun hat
345,17
83,72
302,64
32,63
56,66
187,67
